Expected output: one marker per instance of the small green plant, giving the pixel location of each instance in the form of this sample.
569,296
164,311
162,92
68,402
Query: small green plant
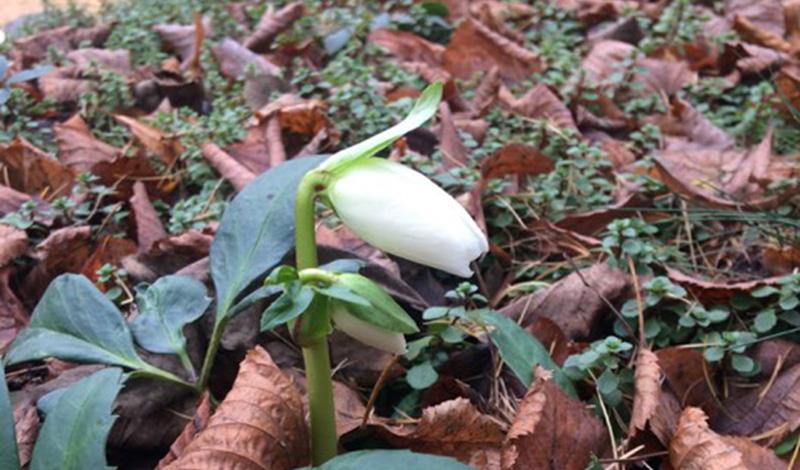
603,362
634,239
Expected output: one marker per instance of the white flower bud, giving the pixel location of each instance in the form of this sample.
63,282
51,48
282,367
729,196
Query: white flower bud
368,334
403,213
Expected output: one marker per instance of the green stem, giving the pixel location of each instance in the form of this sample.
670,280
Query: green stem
315,352
211,352
155,372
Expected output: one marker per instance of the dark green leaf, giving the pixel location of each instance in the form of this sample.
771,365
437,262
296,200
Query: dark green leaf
256,231
290,305
259,294
74,321
8,441
421,376
74,434
391,460
338,291
764,291
165,308
521,351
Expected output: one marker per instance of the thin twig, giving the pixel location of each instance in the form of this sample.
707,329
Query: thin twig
639,302
377,388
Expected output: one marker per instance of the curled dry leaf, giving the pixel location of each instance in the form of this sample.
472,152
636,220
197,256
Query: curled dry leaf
716,291
78,148
766,15
64,85
772,410
486,93
149,228
604,59
647,394
236,173
696,447
64,250
194,426
271,24
260,424
114,60
572,305
538,103
31,49
453,150
552,430
749,32
684,126
255,151
26,426
455,428
13,316
408,47
589,223
183,38
13,243
476,48
166,148
791,11
515,159
28,169
122,172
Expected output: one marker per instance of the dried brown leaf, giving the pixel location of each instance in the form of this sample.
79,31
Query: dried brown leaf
604,59
149,228
552,430
647,394
791,12
78,148
685,376
455,428
753,34
32,49
573,306
64,250
453,150
272,24
766,15
772,410
26,426
28,169
475,48
193,427
236,173
13,316
538,103
64,85
696,447
114,60
167,148
408,47
182,39
13,243
689,126
234,59
486,92
260,424
515,159
254,151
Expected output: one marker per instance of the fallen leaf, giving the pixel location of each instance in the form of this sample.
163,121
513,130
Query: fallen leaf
772,410
772,353
474,47
63,251
605,58
11,199
538,103
260,424
689,126
750,59
569,303
695,447
149,228
124,171
254,151
183,38
32,49
552,430
716,291
408,47
227,166
454,428
78,148
486,92
234,59
453,150
515,159
64,85
749,32
647,385
26,426
13,315
685,376
13,243
766,15
28,169
109,251
166,148
193,427
114,60
791,11
271,24
591,222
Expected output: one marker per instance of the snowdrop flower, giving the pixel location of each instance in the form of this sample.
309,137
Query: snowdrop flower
403,213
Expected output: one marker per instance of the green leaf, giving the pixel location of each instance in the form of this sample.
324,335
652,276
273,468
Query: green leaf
74,434
75,322
341,292
714,354
256,231
391,460
424,108
421,376
259,294
764,291
165,308
765,321
290,305
789,302
742,363
521,351
8,441
383,311
30,74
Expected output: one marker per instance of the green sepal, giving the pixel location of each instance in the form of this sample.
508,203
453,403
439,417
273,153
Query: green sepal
424,109
383,312
290,305
315,324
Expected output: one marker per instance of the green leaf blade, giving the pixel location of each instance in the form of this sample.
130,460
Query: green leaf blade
165,308
290,305
521,351
391,460
74,321
74,434
9,458
256,231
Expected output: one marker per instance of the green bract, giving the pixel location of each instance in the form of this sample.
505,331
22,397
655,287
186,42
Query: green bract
382,310
424,109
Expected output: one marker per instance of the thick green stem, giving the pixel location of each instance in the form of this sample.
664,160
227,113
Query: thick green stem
211,352
315,352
